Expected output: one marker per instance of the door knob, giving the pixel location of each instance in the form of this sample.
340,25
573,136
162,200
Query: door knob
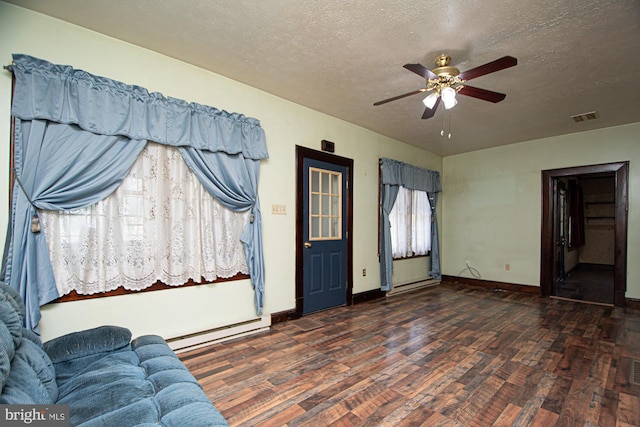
307,244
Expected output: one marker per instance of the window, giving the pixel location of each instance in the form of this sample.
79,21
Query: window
326,199
410,221
159,225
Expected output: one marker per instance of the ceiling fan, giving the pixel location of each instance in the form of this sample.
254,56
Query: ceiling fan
445,81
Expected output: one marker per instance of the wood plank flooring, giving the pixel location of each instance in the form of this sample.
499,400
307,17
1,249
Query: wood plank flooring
441,356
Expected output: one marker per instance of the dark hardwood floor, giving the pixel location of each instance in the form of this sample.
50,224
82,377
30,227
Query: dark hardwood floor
587,282
442,356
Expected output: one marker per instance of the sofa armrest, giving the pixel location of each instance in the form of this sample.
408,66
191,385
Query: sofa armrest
103,339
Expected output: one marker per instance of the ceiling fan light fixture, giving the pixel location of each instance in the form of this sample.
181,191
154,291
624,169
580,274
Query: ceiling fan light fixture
446,80
450,104
449,97
430,100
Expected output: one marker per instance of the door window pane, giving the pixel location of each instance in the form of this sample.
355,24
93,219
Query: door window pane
325,198
325,204
325,183
335,206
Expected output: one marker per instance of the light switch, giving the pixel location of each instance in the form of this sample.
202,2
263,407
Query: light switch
278,209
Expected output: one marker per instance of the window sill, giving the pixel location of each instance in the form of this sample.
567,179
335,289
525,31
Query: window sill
158,286
413,257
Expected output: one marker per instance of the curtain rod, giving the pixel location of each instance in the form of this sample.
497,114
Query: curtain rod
9,67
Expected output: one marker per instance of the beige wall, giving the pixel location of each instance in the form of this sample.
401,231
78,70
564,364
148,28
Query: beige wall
492,202
179,311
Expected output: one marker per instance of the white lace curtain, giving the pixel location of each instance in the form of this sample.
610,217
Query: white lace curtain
160,224
410,221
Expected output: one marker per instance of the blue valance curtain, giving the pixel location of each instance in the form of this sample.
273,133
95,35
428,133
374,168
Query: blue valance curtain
394,175
77,135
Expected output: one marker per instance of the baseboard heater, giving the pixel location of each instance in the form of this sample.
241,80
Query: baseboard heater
412,286
183,343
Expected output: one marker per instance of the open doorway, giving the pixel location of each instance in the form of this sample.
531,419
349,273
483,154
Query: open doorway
584,233
584,215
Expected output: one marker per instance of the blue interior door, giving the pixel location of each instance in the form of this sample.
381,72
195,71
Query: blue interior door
325,239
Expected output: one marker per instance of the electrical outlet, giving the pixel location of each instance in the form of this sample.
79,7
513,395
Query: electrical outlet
278,210
364,272
507,267
466,263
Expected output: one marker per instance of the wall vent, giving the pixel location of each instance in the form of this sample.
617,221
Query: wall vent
592,115
635,372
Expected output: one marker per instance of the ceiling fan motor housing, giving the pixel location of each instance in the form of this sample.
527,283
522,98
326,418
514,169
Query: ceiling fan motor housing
443,68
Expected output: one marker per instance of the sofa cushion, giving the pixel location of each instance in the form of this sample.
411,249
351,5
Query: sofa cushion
31,336
13,298
11,315
143,412
119,387
32,377
78,374
90,342
183,403
99,395
7,350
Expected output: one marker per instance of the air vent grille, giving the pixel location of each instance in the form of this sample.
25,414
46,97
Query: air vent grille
591,115
635,372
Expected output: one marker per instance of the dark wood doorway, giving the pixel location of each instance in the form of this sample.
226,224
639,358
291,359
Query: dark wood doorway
548,238
310,296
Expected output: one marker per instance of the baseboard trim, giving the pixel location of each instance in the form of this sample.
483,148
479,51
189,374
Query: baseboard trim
632,303
283,316
368,296
490,284
513,287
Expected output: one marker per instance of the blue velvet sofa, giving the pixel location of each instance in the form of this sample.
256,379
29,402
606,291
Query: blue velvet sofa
104,377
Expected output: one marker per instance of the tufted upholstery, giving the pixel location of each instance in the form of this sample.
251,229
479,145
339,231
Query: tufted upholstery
104,377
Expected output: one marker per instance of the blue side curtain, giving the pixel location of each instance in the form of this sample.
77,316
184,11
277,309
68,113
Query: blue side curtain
389,193
233,181
60,167
77,136
394,175
434,270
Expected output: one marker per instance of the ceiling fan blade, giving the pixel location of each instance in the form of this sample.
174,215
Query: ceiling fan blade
429,112
491,67
384,101
421,70
485,95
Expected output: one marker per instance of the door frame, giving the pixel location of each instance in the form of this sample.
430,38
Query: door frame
559,231
621,174
308,153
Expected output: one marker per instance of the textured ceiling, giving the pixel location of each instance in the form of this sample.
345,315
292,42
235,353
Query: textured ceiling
339,57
